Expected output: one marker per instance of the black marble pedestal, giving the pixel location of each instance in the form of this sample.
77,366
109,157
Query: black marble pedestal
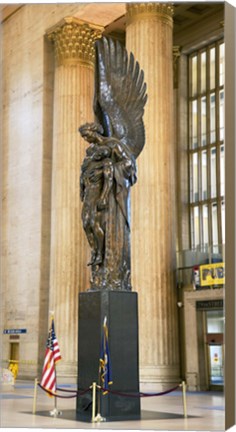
121,310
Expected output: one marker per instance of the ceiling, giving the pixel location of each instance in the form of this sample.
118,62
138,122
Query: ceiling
187,15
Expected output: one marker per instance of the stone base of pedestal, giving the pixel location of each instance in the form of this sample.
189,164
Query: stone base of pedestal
121,310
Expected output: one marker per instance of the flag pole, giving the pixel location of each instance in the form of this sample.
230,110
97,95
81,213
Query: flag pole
98,418
35,395
184,399
55,412
99,387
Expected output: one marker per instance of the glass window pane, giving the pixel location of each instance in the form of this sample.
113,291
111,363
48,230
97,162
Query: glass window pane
194,75
203,71
212,118
222,170
206,133
212,67
215,321
205,224
222,116
203,121
213,172
194,124
222,65
195,195
216,365
204,174
196,226
223,221
214,224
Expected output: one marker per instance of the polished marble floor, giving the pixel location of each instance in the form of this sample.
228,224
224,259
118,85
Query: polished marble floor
205,411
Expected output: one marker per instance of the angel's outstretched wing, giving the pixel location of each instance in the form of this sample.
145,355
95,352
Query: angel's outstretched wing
120,94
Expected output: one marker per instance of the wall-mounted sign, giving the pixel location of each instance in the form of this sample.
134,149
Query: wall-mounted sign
14,331
212,274
210,304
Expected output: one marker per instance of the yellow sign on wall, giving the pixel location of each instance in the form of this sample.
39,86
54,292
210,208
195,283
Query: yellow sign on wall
212,274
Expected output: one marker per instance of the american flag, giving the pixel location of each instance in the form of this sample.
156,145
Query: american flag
52,356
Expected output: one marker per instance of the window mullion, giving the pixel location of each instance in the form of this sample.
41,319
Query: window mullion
201,225
218,147
218,174
219,203
208,126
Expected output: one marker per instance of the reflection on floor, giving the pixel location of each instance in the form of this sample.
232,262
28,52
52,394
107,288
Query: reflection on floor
205,411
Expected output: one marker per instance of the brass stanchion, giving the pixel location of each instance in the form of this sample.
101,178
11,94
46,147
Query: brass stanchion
35,395
93,401
96,418
184,398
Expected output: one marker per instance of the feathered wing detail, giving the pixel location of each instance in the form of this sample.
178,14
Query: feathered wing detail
120,94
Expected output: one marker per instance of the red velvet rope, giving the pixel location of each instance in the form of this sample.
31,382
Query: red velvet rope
81,393
141,394
66,390
64,397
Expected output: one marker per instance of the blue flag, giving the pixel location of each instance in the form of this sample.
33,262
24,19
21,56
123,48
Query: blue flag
105,360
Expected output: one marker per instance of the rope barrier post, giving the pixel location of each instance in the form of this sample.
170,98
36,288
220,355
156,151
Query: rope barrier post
35,395
98,417
93,401
184,399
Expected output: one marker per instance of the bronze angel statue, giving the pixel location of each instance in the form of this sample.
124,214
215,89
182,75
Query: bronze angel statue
109,167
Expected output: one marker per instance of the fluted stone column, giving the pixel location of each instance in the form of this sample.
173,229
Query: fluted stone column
73,96
149,37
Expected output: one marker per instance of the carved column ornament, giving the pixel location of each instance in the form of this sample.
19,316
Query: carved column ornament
74,41
136,11
176,56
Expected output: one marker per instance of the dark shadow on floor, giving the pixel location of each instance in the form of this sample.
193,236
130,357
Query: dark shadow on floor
152,415
145,415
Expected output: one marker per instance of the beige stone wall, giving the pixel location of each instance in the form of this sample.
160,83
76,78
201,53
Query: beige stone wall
28,75
27,151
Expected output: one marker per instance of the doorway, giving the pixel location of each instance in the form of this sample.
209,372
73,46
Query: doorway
14,358
215,349
14,351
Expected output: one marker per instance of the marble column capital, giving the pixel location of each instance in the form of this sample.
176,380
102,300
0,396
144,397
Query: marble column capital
139,11
74,41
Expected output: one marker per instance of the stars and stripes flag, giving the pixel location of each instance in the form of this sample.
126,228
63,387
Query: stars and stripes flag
52,356
105,360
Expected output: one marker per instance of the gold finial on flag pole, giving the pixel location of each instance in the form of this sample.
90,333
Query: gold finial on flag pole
51,313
